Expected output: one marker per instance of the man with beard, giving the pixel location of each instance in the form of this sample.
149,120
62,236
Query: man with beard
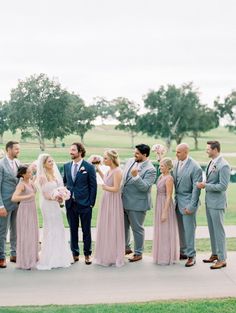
80,179
139,176
8,209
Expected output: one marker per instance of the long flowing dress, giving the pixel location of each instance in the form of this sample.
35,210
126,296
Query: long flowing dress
27,231
166,237
55,249
110,241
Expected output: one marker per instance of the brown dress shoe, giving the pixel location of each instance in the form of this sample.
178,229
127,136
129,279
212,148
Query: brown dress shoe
3,263
218,265
211,259
190,262
128,251
136,258
13,259
76,258
88,259
183,257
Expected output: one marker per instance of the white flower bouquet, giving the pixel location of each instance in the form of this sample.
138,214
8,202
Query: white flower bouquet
61,193
160,150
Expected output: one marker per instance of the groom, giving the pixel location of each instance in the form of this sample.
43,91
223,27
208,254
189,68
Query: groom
80,179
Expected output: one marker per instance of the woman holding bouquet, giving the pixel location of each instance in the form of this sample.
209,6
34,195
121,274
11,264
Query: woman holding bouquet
110,241
27,221
55,249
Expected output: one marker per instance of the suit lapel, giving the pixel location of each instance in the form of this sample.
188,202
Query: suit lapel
69,169
184,169
9,169
217,162
78,172
207,171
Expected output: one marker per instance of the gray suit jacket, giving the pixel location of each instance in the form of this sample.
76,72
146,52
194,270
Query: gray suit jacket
136,193
186,192
8,182
216,184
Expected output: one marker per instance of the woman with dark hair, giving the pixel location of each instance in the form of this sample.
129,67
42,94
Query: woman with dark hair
27,221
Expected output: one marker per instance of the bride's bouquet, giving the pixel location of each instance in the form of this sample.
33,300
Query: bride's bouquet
95,159
160,151
61,193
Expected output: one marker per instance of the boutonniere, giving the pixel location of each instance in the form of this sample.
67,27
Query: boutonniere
214,169
82,169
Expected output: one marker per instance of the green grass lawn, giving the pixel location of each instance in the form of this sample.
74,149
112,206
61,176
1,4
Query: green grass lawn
102,137
227,305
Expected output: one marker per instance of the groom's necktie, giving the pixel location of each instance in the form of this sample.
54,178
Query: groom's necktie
75,171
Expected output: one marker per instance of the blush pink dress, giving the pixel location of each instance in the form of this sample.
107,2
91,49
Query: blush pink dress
110,241
166,236
27,231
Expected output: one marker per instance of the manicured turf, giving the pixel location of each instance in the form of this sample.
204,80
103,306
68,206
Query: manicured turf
227,305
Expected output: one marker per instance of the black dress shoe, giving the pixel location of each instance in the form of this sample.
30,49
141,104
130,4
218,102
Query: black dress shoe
183,257
76,258
128,251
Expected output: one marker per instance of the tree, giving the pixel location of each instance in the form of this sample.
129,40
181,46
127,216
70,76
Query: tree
38,106
81,115
4,126
105,109
227,109
127,115
204,119
169,111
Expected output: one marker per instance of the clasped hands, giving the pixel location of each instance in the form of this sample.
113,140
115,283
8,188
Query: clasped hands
201,185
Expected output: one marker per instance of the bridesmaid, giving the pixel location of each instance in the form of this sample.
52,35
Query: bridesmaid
166,238
110,241
27,221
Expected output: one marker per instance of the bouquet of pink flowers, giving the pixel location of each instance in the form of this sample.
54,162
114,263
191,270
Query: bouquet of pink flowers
61,193
95,159
160,151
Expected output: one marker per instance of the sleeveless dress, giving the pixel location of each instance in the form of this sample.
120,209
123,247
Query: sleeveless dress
27,231
110,240
55,249
166,236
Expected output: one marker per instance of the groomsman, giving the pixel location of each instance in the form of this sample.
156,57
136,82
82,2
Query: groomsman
8,209
217,180
139,176
186,173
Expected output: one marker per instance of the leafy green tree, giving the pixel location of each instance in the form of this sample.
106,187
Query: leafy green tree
127,116
81,116
4,126
169,111
203,120
105,108
38,106
227,110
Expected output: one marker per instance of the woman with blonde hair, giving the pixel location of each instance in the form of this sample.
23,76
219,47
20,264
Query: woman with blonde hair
55,249
166,238
110,241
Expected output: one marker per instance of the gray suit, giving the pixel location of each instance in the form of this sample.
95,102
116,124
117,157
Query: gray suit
187,196
8,182
136,197
217,181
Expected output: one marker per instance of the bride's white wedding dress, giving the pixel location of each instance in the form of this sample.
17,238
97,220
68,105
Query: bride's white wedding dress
55,250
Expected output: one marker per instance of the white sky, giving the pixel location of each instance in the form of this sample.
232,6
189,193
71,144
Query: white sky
120,48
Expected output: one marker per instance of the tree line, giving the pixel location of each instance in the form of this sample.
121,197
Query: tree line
40,108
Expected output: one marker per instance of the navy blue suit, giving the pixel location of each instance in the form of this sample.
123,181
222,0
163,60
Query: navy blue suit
83,196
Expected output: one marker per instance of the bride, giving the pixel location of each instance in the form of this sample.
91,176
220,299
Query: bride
55,250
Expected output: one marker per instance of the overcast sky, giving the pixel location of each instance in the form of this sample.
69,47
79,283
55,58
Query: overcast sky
116,48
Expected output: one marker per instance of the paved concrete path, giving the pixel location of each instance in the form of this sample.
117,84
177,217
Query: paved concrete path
134,282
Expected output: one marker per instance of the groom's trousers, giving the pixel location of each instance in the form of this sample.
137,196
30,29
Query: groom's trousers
8,222
84,216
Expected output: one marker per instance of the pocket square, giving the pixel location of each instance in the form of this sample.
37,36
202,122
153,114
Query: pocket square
84,172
